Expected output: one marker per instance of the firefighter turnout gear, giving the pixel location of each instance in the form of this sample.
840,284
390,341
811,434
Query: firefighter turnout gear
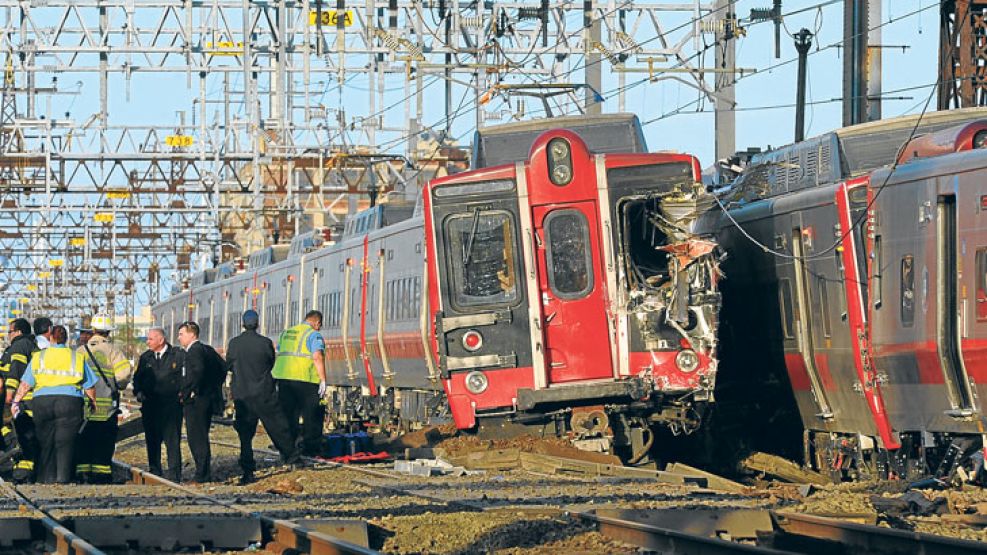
13,363
97,440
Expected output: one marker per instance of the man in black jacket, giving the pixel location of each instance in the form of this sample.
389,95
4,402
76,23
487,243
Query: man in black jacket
197,396
250,358
156,385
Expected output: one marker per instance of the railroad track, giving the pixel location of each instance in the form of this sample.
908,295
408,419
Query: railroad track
766,533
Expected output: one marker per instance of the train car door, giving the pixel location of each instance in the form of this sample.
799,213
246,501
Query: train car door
853,201
805,334
570,278
948,310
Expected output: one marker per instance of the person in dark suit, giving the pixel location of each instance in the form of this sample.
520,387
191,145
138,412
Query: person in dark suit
250,357
196,397
156,384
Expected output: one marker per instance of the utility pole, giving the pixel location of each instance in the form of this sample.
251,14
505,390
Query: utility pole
725,118
594,70
803,42
861,61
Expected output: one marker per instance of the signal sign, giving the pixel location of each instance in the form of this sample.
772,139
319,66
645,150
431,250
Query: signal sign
179,140
330,18
103,218
224,48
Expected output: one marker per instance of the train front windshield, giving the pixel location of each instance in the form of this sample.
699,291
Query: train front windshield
482,256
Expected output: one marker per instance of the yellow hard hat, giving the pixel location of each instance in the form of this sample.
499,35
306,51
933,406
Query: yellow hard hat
102,322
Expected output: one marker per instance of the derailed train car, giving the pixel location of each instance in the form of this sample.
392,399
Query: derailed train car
569,290
559,283
861,285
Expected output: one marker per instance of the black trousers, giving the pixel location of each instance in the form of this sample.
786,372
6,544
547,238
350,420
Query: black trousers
57,419
302,399
94,451
267,410
198,417
162,419
27,439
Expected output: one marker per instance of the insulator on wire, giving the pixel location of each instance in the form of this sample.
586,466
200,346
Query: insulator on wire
615,59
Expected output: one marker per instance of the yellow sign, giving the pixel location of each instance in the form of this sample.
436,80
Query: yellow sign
224,48
15,312
103,218
330,18
179,140
32,287
78,241
117,194
44,275
56,262
25,300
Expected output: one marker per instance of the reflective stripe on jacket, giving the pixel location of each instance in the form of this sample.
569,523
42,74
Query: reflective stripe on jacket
58,366
294,360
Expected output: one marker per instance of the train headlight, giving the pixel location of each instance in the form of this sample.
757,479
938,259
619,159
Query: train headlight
559,161
472,341
687,361
476,382
980,140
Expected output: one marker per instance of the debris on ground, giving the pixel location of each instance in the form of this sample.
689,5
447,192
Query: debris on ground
783,469
910,503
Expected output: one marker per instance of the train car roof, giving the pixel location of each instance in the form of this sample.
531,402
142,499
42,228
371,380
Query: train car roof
842,153
511,142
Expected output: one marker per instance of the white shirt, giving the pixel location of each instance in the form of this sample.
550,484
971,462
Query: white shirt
194,341
42,342
161,353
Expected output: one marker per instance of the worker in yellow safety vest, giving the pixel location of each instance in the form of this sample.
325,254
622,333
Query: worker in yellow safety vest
19,441
300,371
97,441
58,379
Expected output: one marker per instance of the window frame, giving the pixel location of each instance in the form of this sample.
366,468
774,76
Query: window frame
910,321
452,264
587,254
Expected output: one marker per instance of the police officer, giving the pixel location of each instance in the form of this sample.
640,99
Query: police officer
250,357
13,363
197,399
98,438
156,385
300,371
58,378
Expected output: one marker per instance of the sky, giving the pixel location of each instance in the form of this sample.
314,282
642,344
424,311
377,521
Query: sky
676,116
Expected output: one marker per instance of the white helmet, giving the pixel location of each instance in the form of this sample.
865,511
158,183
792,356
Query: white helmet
102,322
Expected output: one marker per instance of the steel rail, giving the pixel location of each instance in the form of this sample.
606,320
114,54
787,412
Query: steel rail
287,533
863,538
669,541
66,541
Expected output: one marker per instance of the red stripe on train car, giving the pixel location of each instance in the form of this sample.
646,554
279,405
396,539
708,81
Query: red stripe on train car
797,372
822,364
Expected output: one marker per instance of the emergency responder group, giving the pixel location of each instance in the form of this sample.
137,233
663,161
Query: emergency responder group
61,404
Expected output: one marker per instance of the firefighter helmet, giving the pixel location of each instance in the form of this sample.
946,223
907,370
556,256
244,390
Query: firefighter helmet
103,322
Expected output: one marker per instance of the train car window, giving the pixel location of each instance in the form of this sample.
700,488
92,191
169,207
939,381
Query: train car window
827,319
981,284
787,310
417,306
568,255
907,290
482,257
501,186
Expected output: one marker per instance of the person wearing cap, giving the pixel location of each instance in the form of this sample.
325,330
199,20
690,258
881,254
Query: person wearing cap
250,358
97,440
156,384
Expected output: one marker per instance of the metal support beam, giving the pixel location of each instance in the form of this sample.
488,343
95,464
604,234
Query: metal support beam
725,97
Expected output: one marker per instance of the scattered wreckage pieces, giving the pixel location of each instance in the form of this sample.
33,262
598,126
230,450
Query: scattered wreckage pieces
712,480
784,469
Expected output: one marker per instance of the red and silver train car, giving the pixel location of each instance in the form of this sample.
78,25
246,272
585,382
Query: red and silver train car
871,305
568,290
563,288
